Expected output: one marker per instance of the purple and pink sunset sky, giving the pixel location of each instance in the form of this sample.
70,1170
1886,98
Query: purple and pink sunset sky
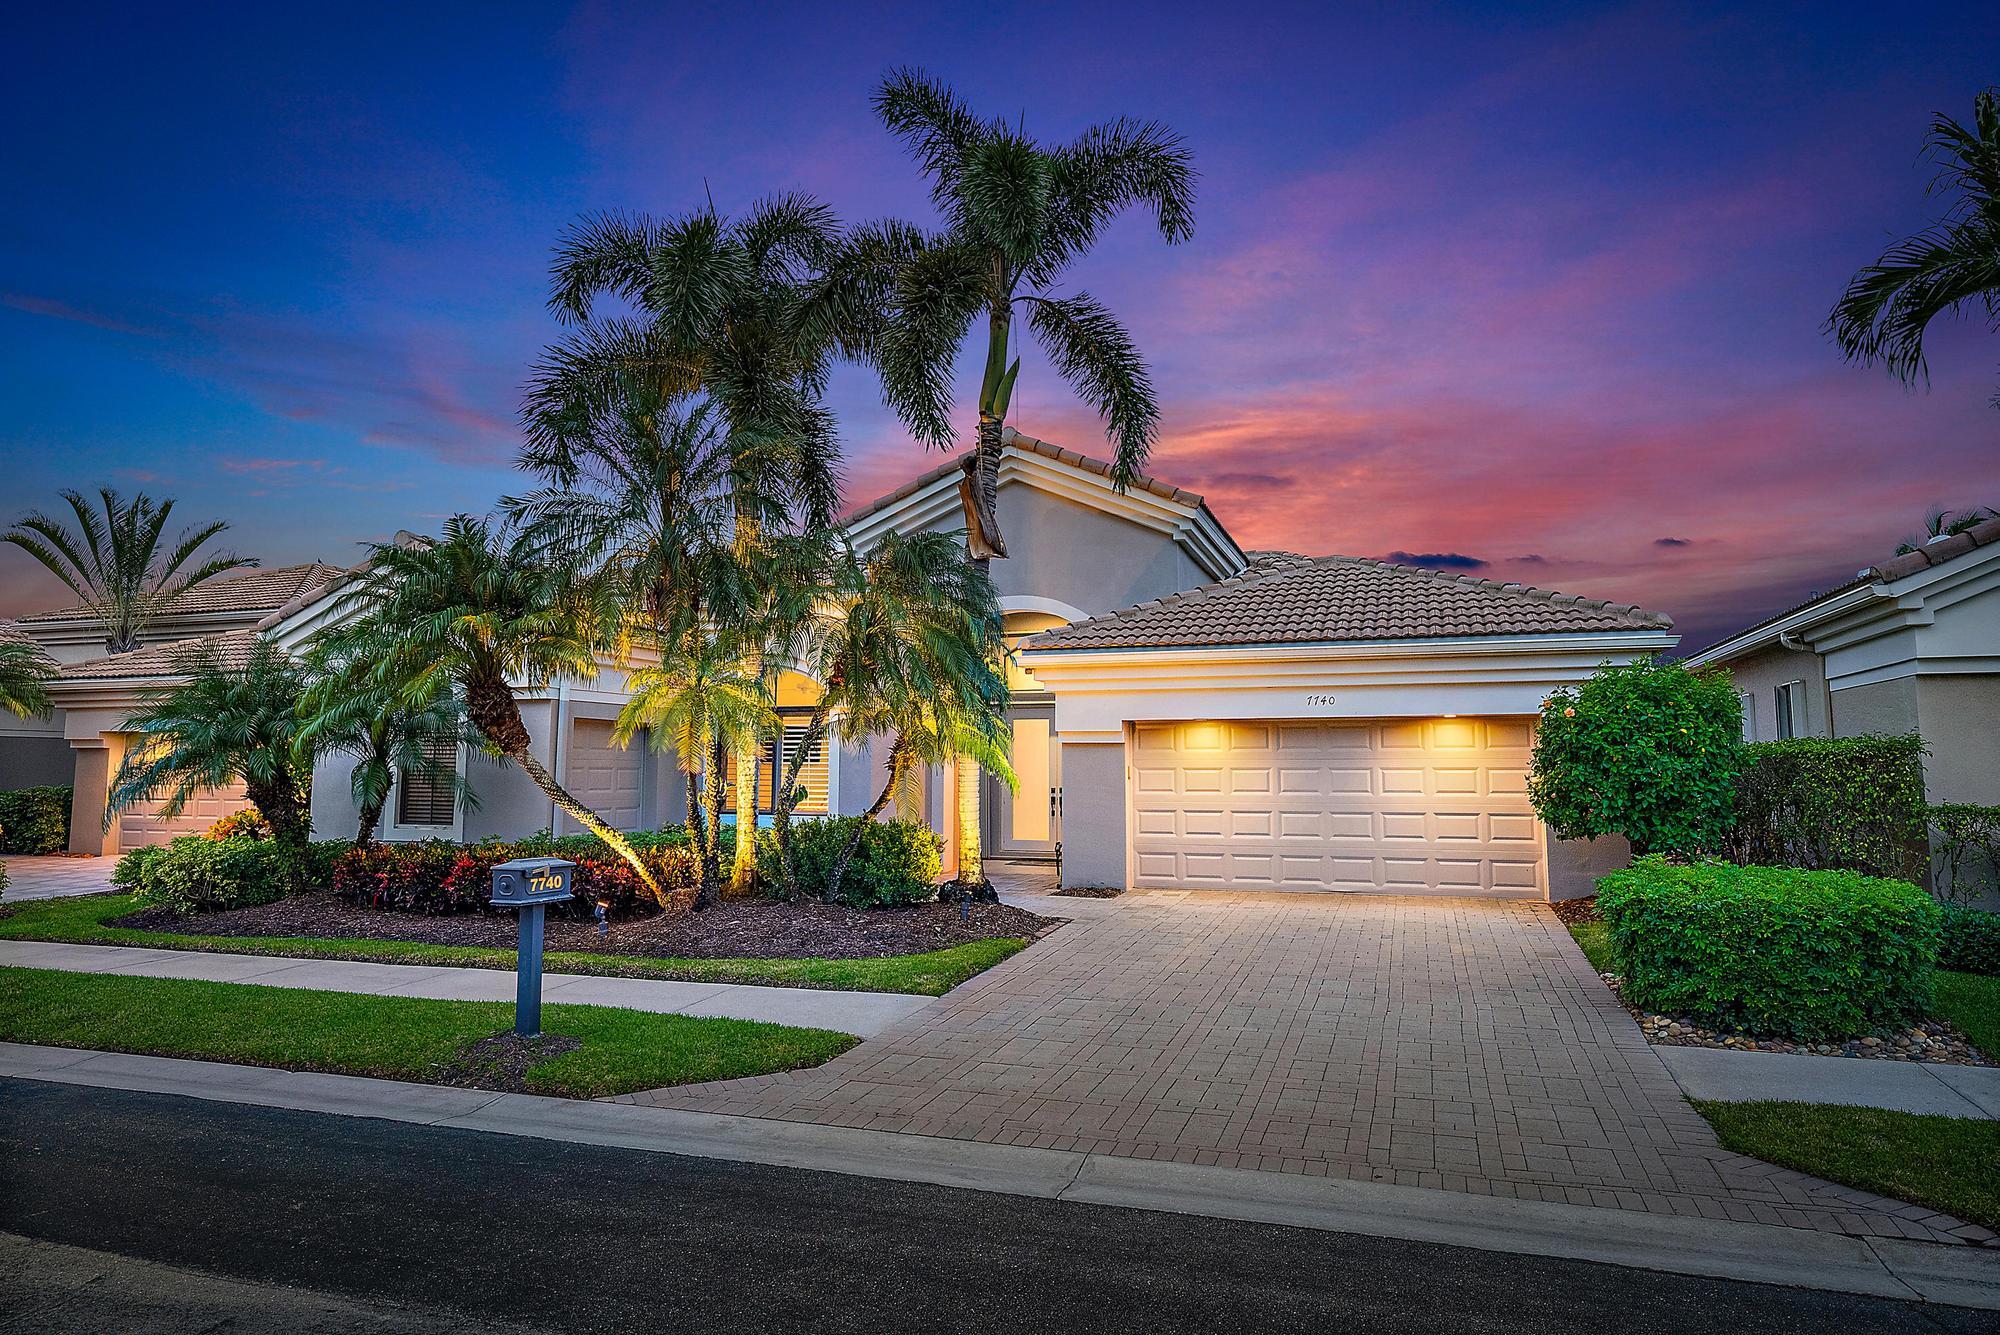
1537,291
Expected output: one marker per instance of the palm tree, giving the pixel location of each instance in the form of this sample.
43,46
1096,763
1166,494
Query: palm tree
226,721
25,672
472,613
737,310
114,562
1946,267
1942,523
1016,216
901,638
343,711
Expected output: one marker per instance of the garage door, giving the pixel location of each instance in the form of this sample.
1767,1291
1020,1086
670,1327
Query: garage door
142,825
1407,807
603,776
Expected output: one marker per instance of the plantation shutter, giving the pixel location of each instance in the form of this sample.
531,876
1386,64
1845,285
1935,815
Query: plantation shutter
424,793
813,774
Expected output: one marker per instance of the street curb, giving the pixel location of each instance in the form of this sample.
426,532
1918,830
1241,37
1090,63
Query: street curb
1758,1253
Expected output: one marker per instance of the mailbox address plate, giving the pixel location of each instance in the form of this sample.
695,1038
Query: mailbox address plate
532,881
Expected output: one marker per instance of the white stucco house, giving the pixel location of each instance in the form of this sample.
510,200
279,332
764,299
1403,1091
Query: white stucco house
1186,714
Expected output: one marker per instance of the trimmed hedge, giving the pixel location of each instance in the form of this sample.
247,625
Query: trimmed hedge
1772,950
1825,803
438,876
194,874
1966,864
35,820
897,863
1971,941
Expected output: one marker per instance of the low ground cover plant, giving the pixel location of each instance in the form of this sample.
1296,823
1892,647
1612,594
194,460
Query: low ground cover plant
35,820
896,863
438,876
1773,950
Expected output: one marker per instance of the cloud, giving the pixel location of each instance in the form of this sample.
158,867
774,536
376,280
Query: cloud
1439,560
52,309
1531,559
1673,542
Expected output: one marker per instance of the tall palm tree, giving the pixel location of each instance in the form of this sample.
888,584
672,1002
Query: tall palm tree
473,612
906,641
226,721
343,711
115,562
1946,267
738,310
25,672
1016,215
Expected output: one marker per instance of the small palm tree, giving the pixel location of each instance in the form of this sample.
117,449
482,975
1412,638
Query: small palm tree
1948,266
225,722
114,563
472,613
1942,523
343,711
25,672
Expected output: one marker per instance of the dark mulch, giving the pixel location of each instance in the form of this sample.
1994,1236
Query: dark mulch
1091,892
754,928
1574,911
500,1062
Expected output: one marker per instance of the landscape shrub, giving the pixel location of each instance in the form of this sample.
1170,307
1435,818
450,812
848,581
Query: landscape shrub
246,821
35,820
437,876
1971,940
1967,843
1772,950
195,874
1826,803
1644,750
897,863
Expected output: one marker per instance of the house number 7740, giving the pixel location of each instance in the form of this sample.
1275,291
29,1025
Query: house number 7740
1320,698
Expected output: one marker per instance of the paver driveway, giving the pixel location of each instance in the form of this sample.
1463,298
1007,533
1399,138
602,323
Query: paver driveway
1456,1044
53,875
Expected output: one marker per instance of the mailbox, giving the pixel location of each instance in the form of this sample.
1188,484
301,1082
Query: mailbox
527,881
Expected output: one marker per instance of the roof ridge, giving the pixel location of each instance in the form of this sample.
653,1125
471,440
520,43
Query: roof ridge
1551,596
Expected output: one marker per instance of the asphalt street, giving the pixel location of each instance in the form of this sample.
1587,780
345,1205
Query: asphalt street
201,1215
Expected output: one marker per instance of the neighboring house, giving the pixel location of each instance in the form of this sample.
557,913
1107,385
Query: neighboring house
1184,714
1911,645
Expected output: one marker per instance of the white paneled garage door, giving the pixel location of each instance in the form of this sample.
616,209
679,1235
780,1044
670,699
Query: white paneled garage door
142,825
603,776
1402,806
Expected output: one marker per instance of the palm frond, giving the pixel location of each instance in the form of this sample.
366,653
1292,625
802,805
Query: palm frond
1092,351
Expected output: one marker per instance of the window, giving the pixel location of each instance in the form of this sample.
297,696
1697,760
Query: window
424,794
1749,703
813,775
1791,709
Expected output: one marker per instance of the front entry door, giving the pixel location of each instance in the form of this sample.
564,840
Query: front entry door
1026,823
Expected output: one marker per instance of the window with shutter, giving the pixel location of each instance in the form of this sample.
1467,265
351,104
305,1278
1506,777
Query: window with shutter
813,775
424,792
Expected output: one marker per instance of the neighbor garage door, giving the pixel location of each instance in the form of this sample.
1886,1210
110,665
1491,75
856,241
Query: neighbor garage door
604,776
1407,807
141,824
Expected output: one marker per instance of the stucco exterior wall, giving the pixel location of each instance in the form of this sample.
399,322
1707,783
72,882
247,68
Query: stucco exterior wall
1095,562
1882,706
29,760
1575,864
1961,721
1093,814
1760,675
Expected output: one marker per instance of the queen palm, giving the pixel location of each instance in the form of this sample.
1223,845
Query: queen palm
343,711
1016,215
233,718
1947,267
737,310
120,563
474,612
25,672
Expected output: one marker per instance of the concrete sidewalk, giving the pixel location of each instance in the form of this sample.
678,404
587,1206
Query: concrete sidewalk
1913,1087
863,1014
1958,1275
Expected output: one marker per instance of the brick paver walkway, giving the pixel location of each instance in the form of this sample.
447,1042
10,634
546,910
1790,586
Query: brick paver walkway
1464,1045
51,876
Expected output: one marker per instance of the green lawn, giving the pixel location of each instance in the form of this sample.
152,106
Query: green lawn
1595,939
86,918
1950,1164
394,1038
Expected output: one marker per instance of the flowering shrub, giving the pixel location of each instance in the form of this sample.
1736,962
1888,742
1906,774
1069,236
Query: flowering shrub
248,823
437,876
1649,751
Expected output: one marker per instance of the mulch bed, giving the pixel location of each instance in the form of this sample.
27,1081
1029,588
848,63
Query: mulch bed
1091,892
1930,1041
500,1062
754,928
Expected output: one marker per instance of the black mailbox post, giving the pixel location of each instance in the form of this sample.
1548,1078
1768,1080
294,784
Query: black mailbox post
530,885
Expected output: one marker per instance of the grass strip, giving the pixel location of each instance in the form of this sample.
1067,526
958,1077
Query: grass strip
86,919
1951,1164
392,1038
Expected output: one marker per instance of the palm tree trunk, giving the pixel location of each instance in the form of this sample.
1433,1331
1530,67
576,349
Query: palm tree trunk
371,816
896,763
743,867
710,889
784,799
588,819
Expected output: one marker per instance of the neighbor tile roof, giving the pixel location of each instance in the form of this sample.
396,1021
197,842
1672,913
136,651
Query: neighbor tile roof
1027,445
1334,599
251,591
162,660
